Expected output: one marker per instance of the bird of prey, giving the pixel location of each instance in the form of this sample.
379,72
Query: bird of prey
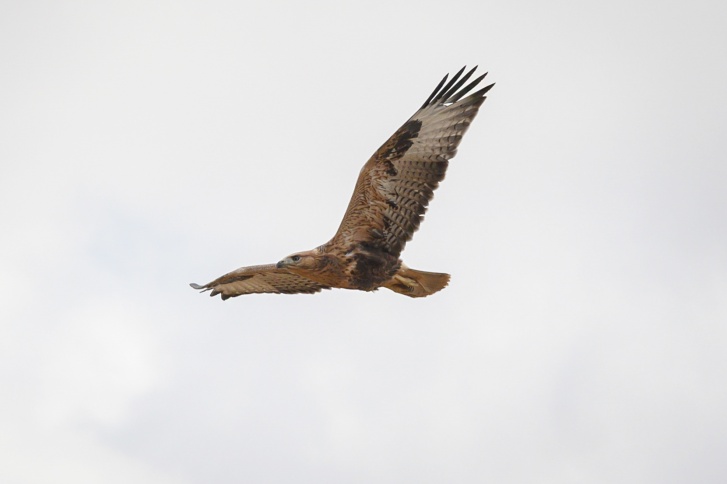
392,193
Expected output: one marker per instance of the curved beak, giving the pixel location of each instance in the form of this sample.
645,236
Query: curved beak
281,264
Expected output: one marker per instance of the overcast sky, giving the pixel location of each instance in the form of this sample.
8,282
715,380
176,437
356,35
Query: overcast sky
147,145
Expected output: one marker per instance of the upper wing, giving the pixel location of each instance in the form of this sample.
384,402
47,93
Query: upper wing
260,279
395,186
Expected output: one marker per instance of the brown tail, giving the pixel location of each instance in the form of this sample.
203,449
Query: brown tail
415,283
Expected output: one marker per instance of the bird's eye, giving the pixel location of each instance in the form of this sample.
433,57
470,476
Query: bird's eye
295,258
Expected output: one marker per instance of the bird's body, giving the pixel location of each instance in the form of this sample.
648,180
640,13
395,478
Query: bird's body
391,195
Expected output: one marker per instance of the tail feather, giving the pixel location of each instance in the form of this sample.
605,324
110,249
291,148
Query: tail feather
413,283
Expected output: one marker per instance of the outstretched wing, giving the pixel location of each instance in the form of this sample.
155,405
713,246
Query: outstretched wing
395,186
260,279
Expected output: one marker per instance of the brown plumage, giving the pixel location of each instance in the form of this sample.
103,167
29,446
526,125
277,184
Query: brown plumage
391,195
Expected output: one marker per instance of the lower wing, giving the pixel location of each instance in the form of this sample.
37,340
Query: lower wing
260,279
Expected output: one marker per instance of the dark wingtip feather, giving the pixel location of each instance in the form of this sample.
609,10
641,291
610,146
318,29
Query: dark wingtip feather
484,90
447,95
445,90
459,95
196,286
453,91
434,93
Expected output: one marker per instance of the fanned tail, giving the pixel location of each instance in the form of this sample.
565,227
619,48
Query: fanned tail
413,283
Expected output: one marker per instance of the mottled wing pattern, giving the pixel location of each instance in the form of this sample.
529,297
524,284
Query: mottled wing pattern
259,279
395,186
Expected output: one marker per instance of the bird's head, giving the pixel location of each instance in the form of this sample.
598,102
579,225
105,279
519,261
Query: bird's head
298,261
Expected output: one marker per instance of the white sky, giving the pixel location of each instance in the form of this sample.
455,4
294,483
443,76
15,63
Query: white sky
146,145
